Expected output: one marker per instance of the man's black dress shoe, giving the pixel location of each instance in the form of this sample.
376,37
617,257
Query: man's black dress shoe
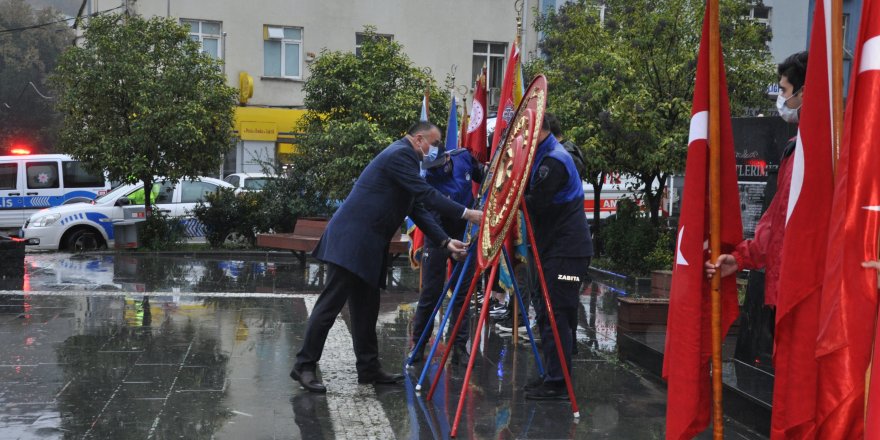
380,377
534,383
308,380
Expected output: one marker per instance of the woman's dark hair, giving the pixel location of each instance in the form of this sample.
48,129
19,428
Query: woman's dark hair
794,68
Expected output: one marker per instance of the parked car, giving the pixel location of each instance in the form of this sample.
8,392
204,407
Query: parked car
249,181
31,182
62,227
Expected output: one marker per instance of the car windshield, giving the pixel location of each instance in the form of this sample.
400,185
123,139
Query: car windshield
115,193
256,183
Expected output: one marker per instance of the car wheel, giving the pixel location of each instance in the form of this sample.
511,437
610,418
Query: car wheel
82,240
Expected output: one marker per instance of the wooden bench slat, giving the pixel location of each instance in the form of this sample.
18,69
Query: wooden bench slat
307,233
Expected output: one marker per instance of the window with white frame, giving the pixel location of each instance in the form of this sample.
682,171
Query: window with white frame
208,34
760,12
492,55
282,52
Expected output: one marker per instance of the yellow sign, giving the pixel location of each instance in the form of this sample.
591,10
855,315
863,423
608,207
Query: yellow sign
258,131
245,87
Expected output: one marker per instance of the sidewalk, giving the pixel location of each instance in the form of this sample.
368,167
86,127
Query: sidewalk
106,364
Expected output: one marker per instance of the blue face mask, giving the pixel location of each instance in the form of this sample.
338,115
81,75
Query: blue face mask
433,151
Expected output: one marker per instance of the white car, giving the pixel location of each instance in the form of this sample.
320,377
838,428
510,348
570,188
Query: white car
249,181
61,227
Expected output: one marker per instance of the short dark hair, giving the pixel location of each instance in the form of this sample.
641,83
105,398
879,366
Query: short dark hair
420,127
794,69
551,124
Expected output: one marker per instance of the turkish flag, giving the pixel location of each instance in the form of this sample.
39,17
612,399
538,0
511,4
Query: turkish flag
849,296
688,330
475,139
802,266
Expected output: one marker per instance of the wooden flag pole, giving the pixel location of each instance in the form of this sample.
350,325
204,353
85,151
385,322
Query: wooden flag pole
836,80
715,211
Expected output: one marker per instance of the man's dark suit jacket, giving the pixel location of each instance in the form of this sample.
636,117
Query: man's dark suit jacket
388,189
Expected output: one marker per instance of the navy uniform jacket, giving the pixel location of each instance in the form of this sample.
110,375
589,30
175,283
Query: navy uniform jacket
555,200
454,180
388,189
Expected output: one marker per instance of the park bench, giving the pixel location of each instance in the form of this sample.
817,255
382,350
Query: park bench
306,234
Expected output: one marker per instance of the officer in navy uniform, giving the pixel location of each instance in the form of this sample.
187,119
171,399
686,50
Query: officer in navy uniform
452,173
355,248
555,201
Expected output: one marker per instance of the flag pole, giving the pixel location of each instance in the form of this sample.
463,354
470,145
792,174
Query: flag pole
715,212
428,101
836,80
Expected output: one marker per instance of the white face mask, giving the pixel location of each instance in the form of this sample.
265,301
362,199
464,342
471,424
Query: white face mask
787,114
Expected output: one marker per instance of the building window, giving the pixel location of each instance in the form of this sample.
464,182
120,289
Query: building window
359,40
208,34
282,52
491,55
760,13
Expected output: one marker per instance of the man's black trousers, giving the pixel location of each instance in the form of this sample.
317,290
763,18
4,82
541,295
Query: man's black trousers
564,277
433,279
363,308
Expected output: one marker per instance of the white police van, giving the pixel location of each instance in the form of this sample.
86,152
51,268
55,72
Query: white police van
32,182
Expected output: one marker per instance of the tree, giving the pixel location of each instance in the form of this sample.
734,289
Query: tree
357,105
28,52
623,86
140,100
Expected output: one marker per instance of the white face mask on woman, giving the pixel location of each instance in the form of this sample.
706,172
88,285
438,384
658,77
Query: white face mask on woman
787,114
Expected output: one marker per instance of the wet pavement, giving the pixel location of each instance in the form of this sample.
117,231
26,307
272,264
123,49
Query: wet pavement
163,346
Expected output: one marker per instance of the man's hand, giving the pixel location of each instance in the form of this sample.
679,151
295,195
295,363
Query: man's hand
871,264
457,249
874,264
473,215
727,264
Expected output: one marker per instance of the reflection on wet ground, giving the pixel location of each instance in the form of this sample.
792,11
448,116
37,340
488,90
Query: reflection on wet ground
206,354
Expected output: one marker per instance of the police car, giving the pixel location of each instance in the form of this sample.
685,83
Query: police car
63,227
30,182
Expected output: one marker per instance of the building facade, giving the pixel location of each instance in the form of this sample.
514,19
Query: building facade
275,41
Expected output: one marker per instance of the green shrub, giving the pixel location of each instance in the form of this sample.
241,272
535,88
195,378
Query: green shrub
631,241
230,219
291,197
161,232
660,258
234,220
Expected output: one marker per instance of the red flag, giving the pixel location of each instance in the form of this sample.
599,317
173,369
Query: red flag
475,140
508,101
802,263
416,243
849,297
688,331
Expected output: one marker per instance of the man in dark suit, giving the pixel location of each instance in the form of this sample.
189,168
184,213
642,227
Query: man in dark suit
355,248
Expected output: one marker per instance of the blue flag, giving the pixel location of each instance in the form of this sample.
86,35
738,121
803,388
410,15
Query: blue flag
452,126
